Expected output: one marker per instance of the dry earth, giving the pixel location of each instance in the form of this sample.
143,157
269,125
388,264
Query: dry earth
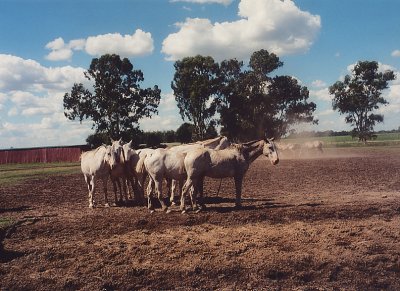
327,223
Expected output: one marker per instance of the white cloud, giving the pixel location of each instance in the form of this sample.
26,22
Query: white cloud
13,111
158,122
52,130
223,2
60,51
139,43
17,74
31,95
326,112
396,53
318,83
168,102
278,26
322,94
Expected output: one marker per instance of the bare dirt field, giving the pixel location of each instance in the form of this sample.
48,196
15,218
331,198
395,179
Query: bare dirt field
327,223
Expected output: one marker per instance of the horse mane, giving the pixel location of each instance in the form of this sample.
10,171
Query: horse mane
250,143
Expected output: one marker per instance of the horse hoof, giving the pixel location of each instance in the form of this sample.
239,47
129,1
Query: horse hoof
198,210
152,211
168,211
173,203
106,205
183,212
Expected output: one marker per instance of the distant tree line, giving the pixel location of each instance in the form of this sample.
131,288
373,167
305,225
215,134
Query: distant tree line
307,134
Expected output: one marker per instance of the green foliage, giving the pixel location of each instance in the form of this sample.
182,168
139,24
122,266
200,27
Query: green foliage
359,95
251,101
195,84
97,139
117,102
184,133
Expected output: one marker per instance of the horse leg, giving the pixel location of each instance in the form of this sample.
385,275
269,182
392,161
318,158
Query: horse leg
120,191
200,185
141,181
105,179
172,187
193,194
186,187
90,187
150,187
238,186
115,190
158,186
136,191
126,189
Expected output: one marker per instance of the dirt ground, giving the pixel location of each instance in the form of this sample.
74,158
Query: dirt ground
331,222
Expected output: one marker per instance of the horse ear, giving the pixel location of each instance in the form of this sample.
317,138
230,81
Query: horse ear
120,140
267,136
130,144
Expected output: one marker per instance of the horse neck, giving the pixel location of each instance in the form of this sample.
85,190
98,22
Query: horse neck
253,150
212,142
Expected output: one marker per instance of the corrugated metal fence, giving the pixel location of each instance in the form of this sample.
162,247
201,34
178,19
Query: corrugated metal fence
41,155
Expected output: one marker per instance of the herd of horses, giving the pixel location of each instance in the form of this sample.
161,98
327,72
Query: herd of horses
183,167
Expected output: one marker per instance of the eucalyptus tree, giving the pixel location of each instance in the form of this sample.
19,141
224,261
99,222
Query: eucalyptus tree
196,83
359,95
252,100
116,102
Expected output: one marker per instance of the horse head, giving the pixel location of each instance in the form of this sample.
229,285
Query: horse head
109,156
223,143
118,155
271,151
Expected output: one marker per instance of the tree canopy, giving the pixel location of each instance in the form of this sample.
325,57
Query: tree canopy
195,84
360,95
251,101
117,102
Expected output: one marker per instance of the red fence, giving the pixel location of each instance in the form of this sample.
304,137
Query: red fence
41,155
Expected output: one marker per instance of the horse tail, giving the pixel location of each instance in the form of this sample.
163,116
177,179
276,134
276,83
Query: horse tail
140,168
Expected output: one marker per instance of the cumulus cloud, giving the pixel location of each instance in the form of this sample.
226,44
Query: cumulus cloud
223,2
31,96
318,83
168,117
168,102
60,51
396,53
278,26
18,74
140,43
48,131
322,94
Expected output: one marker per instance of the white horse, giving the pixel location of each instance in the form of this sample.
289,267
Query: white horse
168,164
218,143
160,164
231,162
97,164
140,169
132,177
311,146
119,173
292,148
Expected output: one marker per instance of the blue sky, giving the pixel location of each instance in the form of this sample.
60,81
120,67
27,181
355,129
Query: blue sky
45,46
